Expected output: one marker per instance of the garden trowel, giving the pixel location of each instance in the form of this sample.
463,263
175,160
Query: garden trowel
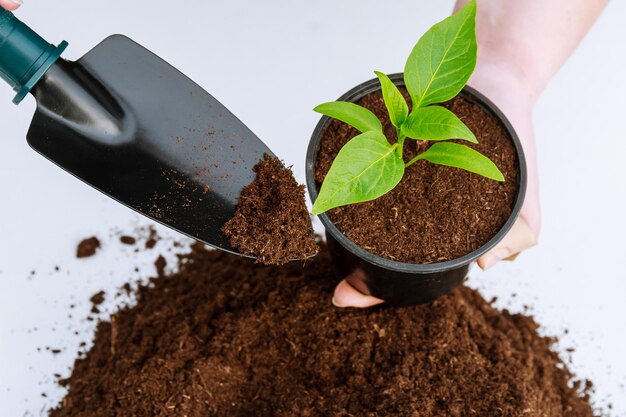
132,126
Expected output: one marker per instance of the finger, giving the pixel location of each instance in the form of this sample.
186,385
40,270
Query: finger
520,237
347,296
11,5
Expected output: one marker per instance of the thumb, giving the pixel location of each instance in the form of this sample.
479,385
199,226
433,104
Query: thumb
520,237
348,296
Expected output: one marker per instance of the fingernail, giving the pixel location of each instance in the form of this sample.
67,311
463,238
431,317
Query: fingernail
17,2
336,304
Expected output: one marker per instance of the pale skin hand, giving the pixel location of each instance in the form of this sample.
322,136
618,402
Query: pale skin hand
522,44
10,4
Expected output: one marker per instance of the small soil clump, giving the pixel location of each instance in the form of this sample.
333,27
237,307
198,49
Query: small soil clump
96,300
87,247
436,213
272,222
153,238
226,337
128,240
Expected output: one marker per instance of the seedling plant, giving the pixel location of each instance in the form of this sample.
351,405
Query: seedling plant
437,69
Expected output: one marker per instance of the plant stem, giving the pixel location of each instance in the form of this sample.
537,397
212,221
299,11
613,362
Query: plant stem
414,160
401,138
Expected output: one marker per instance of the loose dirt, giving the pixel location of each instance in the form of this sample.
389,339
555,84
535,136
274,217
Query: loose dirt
87,247
224,336
272,222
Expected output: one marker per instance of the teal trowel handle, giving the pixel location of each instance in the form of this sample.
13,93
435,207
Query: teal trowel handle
24,56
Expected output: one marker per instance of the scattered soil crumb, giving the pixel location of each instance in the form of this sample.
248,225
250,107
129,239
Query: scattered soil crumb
128,240
153,238
224,337
87,247
160,264
272,222
96,300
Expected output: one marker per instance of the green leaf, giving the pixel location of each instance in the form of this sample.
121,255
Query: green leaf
364,169
443,59
436,123
395,102
356,116
461,156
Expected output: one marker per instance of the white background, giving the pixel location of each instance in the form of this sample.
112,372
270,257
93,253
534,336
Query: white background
271,62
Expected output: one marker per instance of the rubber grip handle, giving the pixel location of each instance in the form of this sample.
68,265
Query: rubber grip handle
24,55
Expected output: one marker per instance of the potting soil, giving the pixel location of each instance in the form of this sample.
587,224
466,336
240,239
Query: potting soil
272,222
224,336
436,213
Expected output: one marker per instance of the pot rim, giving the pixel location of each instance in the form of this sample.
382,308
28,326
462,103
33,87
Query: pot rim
469,93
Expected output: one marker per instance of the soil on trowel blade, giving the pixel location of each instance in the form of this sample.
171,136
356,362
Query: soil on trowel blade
272,222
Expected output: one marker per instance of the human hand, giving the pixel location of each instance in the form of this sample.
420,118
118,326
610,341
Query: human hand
513,97
510,94
10,5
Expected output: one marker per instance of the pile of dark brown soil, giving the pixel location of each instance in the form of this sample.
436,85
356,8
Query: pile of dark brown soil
227,337
272,222
436,213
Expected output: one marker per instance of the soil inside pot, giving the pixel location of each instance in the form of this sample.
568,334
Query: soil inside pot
272,221
227,337
436,213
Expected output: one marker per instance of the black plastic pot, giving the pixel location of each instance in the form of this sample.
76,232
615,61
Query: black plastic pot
399,283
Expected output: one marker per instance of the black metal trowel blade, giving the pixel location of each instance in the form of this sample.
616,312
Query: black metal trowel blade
131,125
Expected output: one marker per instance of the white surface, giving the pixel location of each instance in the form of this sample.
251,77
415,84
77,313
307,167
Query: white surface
271,63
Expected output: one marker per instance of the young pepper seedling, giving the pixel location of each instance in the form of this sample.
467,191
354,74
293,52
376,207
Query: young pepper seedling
437,69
